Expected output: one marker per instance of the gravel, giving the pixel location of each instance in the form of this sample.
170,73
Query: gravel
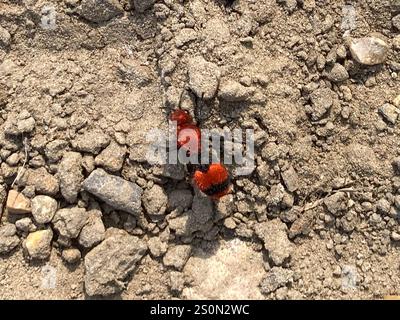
111,158
155,200
8,238
369,51
38,244
70,176
109,264
99,10
115,191
338,73
44,182
276,278
177,256
157,247
389,113
93,232
273,235
43,208
91,141
71,256
17,203
68,222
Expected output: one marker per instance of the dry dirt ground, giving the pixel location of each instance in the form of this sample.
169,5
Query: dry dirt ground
82,81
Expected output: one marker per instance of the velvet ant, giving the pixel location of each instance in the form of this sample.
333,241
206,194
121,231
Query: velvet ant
212,179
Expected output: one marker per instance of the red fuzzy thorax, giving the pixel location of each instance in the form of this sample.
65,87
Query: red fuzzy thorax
214,181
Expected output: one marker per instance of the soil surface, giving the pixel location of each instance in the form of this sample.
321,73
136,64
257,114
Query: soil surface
84,215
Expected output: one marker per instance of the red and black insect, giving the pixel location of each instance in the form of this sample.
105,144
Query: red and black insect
213,179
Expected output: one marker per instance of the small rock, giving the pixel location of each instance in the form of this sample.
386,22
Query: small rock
302,225
111,158
70,221
115,191
70,176
290,179
396,101
54,149
338,73
276,278
395,22
43,209
38,244
230,223
177,256
155,200
111,262
224,207
71,256
93,232
143,5
8,238
185,36
25,225
336,203
157,247
43,181
99,10
204,77
5,38
395,236
383,206
17,203
369,51
91,141
233,91
389,112
273,234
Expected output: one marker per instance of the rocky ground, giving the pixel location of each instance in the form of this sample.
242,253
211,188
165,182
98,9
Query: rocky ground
84,215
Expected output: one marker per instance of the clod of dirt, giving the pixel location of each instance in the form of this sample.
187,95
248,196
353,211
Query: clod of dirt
112,157
204,77
177,256
233,91
69,222
273,235
91,141
115,191
276,277
5,38
8,238
338,73
70,176
44,182
143,5
155,200
93,232
109,264
99,10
